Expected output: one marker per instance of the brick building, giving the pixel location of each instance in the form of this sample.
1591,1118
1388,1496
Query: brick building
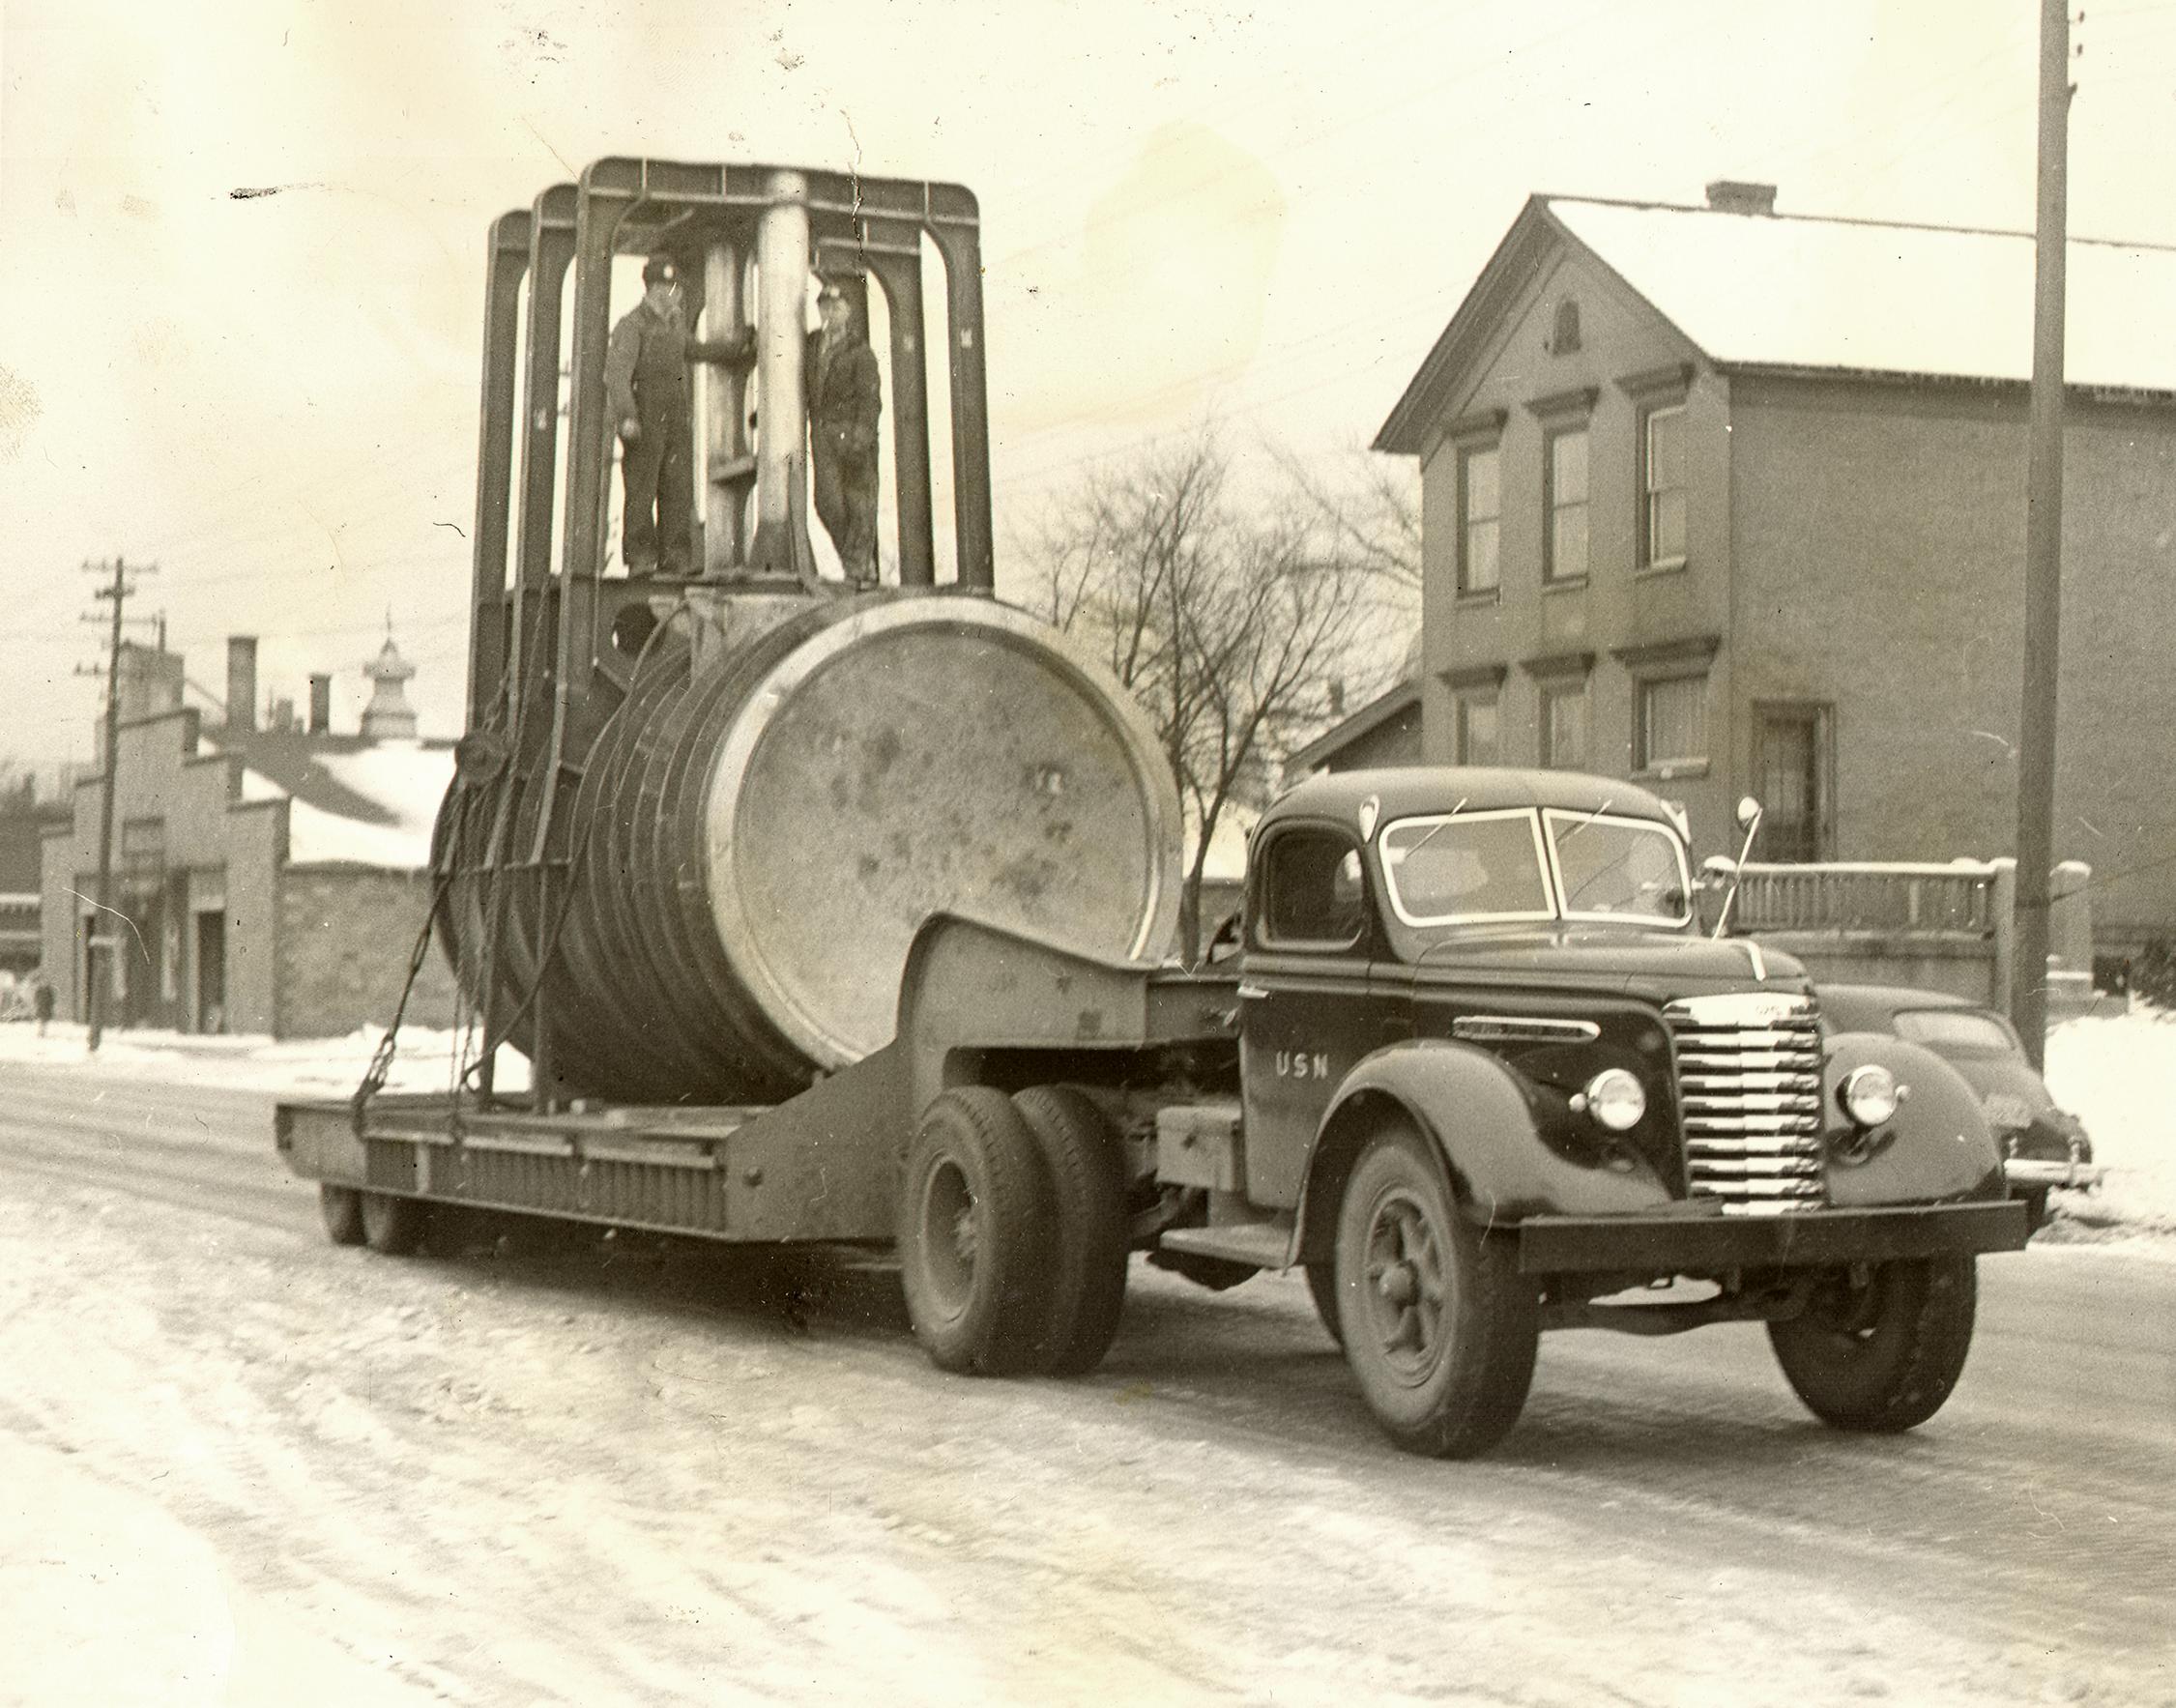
271,878
1733,501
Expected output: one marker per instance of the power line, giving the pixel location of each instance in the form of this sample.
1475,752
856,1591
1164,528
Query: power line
117,592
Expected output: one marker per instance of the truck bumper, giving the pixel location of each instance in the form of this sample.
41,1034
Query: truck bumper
1705,1244
2024,1173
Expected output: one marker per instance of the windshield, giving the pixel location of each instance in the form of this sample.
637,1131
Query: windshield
1960,1031
1611,868
1466,866
1477,867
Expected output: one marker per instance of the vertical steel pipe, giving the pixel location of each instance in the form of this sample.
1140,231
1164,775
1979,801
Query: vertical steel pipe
782,251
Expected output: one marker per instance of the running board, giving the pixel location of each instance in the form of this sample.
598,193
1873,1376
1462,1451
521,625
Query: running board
1266,1245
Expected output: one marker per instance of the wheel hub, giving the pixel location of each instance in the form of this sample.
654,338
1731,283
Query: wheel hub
1405,1283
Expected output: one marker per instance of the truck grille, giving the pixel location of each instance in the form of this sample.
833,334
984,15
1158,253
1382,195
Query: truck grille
1749,1083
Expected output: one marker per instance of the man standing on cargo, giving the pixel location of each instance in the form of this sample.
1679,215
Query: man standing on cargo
646,385
845,397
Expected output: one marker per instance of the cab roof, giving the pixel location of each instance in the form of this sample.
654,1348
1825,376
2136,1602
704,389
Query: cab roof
1403,792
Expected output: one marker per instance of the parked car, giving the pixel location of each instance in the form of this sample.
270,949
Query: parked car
2042,1146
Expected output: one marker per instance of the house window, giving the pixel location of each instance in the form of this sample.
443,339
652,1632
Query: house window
1793,775
1563,726
1565,480
1480,490
1662,482
1474,731
1672,729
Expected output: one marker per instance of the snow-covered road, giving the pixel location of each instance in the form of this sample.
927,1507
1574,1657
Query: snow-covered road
241,1464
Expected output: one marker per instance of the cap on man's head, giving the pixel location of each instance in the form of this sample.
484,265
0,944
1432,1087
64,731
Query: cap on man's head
660,270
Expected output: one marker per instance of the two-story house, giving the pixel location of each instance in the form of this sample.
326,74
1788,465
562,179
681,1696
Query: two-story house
1734,502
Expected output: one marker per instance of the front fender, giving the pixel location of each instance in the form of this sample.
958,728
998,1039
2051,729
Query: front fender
1487,1123
1937,1149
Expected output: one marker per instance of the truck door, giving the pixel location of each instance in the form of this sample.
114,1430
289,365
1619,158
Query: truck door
1304,1008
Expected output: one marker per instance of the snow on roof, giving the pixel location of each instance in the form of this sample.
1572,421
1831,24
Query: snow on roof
1784,291
401,784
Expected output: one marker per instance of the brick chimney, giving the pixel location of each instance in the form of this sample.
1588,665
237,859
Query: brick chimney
320,705
241,683
1733,195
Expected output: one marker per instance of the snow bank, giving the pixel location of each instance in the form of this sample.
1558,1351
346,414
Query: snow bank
426,1060
2117,1073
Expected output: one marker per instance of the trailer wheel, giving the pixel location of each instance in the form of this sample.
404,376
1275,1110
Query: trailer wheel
1881,1351
1439,1327
1322,1288
976,1229
341,1206
1088,1199
394,1226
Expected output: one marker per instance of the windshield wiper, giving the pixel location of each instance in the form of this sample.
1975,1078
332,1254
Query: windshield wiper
1591,818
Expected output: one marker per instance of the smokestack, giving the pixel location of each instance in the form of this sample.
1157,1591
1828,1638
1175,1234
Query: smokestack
320,705
241,683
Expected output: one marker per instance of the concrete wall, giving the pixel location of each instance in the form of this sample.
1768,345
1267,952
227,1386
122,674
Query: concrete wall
345,934
1879,562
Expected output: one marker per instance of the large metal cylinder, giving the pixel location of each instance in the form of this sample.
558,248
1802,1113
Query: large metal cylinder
757,837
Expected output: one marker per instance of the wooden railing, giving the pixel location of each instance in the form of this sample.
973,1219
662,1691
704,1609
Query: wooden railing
1959,898
1945,927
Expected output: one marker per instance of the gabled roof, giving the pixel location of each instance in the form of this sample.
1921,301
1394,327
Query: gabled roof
1785,292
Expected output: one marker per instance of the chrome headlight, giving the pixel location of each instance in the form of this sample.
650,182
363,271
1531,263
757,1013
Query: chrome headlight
1869,1096
1615,1099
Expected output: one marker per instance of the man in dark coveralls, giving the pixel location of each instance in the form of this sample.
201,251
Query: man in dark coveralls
646,387
845,397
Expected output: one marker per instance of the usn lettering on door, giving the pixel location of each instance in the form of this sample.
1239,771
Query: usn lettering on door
1301,1064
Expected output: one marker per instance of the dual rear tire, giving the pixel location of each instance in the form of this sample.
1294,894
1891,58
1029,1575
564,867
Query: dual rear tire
353,1216
1012,1232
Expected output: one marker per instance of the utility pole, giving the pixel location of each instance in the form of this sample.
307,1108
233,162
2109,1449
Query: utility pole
117,592
2043,542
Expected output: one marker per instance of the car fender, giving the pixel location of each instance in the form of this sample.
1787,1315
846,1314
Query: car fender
1485,1122
1938,1148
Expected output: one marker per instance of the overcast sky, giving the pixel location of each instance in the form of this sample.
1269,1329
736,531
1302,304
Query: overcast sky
1264,213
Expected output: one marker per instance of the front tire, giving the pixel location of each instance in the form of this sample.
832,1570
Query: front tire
1881,1354
976,1229
1322,1288
1440,1328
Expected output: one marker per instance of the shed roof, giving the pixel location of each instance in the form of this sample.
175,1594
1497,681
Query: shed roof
354,802
1791,292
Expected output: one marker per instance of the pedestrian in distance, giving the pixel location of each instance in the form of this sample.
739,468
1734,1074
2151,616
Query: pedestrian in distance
40,1000
646,386
845,399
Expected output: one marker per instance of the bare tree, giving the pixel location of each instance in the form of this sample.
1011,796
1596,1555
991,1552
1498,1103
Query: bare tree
1236,629
1370,516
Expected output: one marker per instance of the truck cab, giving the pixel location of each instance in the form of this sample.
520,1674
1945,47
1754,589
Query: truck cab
1483,1074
